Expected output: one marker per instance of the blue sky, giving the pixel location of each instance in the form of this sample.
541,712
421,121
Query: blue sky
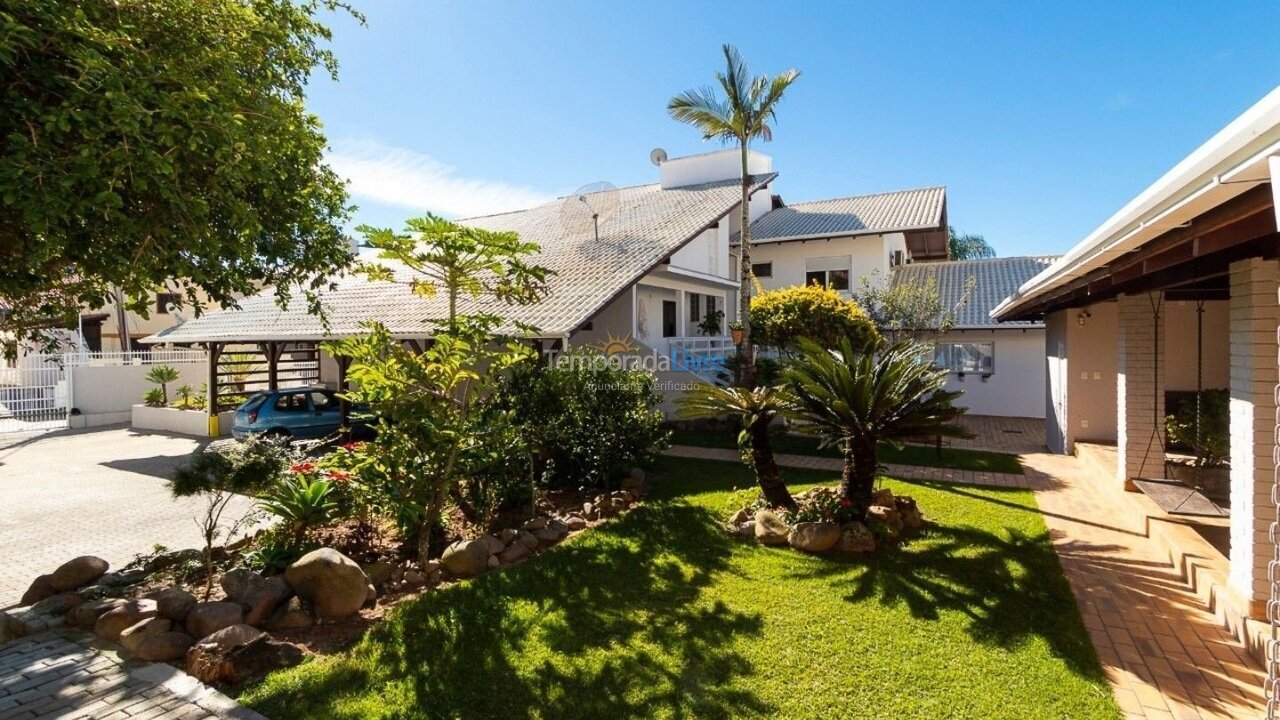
1041,120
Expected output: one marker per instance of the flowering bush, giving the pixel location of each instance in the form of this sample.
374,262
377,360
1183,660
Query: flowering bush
820,505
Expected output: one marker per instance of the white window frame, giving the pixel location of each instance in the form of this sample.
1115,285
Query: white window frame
827,265
952,357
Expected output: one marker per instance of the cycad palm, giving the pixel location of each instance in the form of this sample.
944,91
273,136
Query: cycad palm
857,397
162,375
755,408
742,115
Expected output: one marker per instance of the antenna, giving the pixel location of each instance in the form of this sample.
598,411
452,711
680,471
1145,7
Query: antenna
657,156
588,207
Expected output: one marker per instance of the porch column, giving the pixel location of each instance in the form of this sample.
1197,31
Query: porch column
1140,388
211,389
1254,316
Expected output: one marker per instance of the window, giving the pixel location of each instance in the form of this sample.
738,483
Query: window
762,269
293,402
711,304
164,300
835,279
695,307
965,357
669,318
323,401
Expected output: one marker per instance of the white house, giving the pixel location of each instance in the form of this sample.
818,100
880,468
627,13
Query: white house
998,366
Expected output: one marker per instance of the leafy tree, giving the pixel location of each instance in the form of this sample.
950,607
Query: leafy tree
742,115
162,142
857,397
781,317
755,409
909,310
162,375
965,246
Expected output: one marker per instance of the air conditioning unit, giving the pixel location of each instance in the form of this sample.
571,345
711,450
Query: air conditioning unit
896,258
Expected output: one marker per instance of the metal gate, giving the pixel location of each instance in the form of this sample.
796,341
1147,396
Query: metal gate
35,394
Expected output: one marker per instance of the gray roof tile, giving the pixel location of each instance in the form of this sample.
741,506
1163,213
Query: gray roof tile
858,215
650,224
995,280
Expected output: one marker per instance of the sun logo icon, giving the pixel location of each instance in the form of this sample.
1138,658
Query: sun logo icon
614,345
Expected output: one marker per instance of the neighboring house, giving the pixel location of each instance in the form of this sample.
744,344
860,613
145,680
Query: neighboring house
106,329
837,242
1178,290
999,366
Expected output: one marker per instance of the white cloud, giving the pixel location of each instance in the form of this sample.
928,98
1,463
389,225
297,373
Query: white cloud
395,176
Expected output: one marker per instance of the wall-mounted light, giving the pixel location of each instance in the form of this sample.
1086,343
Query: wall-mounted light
1083,317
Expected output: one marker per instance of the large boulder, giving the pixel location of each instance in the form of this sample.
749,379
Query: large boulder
513,553
884,521
264,596
111,623
855,538
527,539
133,636
770,528
210,663
59,604
78,572
291,616
814,537
174,603
40,588
236,583
466,558
379,573
210,617
232,636
494,545
912,518
87,613
164,647
332,582
553,533
883,498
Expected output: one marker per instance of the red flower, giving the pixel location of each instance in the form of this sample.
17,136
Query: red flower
352,446
845,502
340,475
302,467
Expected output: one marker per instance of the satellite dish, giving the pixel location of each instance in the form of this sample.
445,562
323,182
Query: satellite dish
175,312
657,156
588,208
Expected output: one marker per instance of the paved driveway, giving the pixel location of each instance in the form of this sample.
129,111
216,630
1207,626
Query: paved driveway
98,491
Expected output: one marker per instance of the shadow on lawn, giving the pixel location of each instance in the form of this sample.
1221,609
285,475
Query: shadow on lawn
1009,585
617,633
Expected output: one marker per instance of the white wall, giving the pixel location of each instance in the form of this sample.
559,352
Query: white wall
1057,428
710,167
107,394
708,253
866,254
1092,372
1180,345
1016,385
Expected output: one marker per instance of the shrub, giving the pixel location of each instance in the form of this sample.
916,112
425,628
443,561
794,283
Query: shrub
302,501
821,505
162,375
153,397
1212,447
583,419
780,318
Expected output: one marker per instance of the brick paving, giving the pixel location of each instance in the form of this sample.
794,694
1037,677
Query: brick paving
58,676
1165,655
99,492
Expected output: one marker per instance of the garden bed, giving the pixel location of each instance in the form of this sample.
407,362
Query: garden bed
181,422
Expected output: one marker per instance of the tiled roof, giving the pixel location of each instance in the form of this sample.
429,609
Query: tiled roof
995,279
649,225
858,215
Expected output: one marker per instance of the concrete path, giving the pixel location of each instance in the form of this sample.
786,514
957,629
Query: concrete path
100,491
57,676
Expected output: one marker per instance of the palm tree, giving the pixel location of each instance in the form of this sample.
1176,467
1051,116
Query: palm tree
967,246
742,115
857,397
756,408
162,375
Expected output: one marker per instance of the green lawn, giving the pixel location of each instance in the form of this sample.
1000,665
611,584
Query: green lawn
660,614
908,455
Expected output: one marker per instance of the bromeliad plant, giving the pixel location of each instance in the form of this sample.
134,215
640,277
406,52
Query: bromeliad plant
755,409
303,501
856,397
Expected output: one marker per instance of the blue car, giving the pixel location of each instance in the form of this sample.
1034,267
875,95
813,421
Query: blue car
292,413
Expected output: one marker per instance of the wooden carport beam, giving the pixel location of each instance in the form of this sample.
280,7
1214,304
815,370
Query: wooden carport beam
272,351
215,357
344,407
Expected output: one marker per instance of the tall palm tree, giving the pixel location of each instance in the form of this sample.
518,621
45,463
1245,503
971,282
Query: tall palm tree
857,397
756,408
742,115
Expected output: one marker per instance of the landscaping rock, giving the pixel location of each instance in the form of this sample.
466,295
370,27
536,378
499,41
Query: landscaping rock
174,603
746,530
415,578
508,536
535,524
493,544
59,604
770,529
292,616
164,647
635,482
87,613
617,504
207,618
78,572
912,518
553,533
588,509
379,573
466,558
232,636
884,521
133,636
111,623
513,553
264,596
527,539
210,664
814,537
40,589
855,538
573,522
493,562
333,584
236,583
739,517
883,498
